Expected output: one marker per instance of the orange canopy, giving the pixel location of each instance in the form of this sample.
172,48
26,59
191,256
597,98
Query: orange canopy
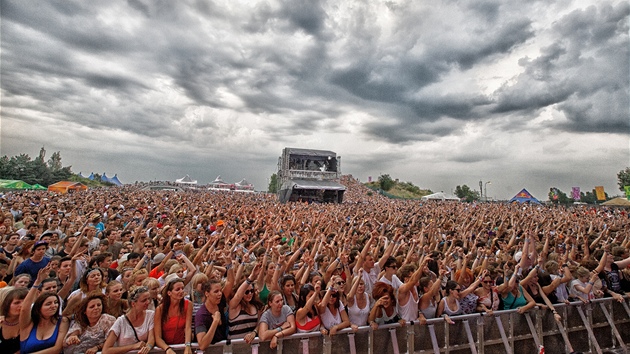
67,186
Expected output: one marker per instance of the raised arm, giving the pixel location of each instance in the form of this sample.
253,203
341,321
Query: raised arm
25,313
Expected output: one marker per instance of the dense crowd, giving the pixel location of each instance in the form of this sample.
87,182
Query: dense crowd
122,269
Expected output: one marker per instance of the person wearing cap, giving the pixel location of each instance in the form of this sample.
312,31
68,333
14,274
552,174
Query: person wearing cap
35,262
219,228
97,223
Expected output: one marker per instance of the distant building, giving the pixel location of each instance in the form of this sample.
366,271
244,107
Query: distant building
242,186
309,175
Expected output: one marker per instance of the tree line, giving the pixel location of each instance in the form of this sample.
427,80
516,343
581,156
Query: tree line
32,171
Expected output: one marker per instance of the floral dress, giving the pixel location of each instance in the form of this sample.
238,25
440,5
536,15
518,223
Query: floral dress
91,336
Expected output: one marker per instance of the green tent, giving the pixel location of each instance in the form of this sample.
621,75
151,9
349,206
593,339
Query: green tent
38,187
13,184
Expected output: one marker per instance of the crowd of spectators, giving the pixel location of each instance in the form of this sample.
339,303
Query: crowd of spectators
122,269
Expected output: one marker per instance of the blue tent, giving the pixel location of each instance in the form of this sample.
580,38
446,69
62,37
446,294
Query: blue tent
91,176
115,180
524,197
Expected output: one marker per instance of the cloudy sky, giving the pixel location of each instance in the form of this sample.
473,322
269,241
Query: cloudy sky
441,93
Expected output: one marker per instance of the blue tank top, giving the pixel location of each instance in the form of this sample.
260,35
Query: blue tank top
512,302
32,344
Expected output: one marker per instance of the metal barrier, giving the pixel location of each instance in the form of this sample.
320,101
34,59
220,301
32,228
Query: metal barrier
597,327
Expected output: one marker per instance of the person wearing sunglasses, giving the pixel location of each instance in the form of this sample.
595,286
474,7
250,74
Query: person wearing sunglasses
332,312
244,309
488,295
390,277
451,303
307,317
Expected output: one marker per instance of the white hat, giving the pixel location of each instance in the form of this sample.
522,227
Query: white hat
518,255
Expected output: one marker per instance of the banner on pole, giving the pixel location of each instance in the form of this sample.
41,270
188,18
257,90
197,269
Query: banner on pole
599,192
575,193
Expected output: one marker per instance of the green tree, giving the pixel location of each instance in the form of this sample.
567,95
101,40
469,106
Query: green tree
557,196
590,197
54,163
464,192
386,182
624,178
273,184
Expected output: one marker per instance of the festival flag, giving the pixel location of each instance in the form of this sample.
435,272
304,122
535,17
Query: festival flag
599,191
575,192
627,188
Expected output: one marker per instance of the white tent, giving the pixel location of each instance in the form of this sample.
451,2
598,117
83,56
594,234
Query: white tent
186,180
439,196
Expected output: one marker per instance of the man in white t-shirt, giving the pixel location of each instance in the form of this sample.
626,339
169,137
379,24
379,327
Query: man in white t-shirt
390,277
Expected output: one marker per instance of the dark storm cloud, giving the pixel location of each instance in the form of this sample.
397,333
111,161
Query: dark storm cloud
75,24
584,73
491,40
307,15
401,83
489,10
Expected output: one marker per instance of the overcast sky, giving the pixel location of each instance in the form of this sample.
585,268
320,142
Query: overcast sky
525,94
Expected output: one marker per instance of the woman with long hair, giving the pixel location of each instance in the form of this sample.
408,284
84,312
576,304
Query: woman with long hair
88,330
134,330
173,318
331,311
244,310
196,294
451,303
115,305
358,301
488,295
515,297
92,280
430,296
42,320
307,316
9,329
210,321
287,287
264,283
278,321
154,292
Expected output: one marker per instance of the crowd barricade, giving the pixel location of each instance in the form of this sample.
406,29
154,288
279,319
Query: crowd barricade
597,327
